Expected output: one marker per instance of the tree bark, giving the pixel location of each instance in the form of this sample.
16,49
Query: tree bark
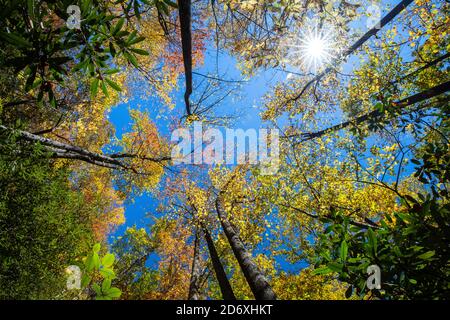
221,276
419,97
66,151
255,278
184,9
195,273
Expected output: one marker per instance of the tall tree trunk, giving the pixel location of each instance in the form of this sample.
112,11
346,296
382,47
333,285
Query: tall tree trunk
255,278
184,9
221,276
195,273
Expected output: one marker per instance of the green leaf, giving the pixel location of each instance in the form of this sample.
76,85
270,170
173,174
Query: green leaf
379,106
426,255
131,37
112,50
30,8
51,97
82,65
118,26
94,87
122,33
96,260
36,84
96,248
140,51
106,284
89,263
321,271
108,260
131,58
136,40
113,85
107,273
343,251
372,240
15,40
336,267
104,89
111,71
97,289
85,280
113,292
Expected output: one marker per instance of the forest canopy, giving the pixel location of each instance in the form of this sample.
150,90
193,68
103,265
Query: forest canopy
349,201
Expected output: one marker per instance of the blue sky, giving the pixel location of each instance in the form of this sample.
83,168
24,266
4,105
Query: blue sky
142,208
252,91
250,96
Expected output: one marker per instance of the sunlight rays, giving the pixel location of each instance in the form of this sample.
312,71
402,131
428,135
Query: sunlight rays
315,49
311,48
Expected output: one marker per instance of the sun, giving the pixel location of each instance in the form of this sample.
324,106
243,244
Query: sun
315,48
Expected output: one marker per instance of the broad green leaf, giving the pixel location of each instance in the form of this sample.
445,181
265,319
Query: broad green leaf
107,273
106,284
90,265
108,260
97,289
96,260
85,280
113,292
426,255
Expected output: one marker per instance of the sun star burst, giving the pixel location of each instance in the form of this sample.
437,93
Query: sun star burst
315,48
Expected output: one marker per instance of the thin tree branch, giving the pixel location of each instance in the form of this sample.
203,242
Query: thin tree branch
419,97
